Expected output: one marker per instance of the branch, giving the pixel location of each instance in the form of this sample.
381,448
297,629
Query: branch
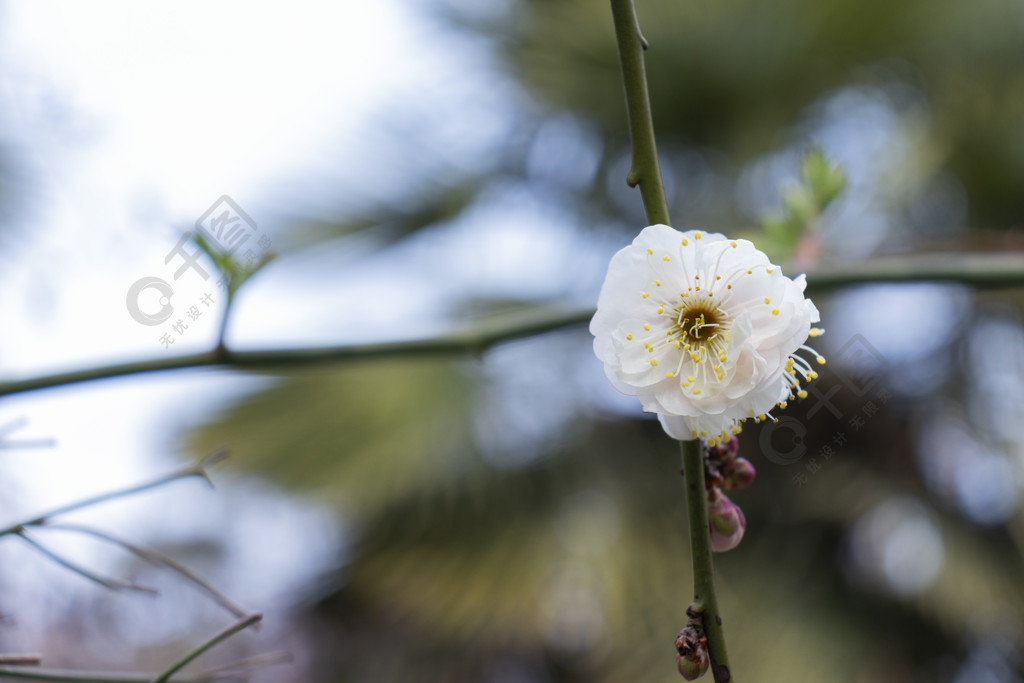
977,270
259,661
478,340
20,660
704,598
70,676
156,557
105,581
980,269
239,625
644,170
196,470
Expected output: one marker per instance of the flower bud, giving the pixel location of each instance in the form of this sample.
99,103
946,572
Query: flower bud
725,450
738,474
727,523
692,652
694,665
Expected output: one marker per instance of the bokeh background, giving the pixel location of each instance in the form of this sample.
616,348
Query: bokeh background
429,165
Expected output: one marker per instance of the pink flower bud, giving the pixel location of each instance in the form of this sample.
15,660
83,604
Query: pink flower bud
727,523
724,450
738,474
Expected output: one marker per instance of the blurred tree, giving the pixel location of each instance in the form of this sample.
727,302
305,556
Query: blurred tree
567,564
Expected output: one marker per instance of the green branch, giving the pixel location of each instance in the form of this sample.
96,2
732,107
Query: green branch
976,270
525,324
239,625
644,169
704,598
646,173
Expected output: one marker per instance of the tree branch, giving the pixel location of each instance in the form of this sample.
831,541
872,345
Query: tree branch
704,597
477,340
239,625
977,270
70,676
644,170
20,660
105,581
196,470
646,173
157,558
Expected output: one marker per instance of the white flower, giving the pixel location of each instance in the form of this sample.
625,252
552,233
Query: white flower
704,330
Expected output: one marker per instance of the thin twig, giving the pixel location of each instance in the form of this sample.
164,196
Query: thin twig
157,558
105,581
21,660
73,676
196,470
239,625
249,663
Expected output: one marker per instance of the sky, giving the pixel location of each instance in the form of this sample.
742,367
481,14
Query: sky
129,121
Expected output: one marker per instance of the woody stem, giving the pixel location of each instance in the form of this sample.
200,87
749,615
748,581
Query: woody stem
700,557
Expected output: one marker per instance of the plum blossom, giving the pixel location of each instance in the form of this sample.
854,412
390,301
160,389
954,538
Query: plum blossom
704,330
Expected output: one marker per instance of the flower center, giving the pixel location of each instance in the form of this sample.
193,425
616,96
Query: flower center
698,323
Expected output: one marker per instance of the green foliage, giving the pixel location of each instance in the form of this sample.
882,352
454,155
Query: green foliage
821,182
235,272
363,436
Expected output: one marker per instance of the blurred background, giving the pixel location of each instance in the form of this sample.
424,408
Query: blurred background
506,517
